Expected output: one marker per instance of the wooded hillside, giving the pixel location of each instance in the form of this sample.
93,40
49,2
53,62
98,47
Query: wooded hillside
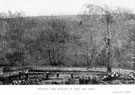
68,40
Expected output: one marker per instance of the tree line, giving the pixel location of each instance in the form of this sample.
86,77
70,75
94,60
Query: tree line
80,40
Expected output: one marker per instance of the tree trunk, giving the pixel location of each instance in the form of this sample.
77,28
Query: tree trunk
49,55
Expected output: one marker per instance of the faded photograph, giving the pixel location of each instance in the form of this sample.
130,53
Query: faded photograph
67,42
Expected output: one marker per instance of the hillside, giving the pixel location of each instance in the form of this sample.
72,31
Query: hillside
68,40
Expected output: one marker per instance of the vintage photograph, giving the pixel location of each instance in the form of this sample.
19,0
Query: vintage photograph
67,42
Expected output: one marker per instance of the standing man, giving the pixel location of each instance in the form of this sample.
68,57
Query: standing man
72,75
57,74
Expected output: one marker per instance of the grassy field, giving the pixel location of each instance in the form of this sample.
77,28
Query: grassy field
82,69
81,75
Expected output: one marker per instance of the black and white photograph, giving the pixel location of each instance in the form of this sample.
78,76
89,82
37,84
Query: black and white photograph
67,42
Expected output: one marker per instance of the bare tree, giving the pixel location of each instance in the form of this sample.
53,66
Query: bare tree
107,16
53,40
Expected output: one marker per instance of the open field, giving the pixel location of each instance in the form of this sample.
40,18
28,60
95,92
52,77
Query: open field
82,69
83,75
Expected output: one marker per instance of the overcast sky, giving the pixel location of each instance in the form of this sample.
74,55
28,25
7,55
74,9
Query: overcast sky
56,7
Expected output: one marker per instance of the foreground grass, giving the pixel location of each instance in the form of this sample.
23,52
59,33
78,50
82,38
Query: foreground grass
82,75
82,69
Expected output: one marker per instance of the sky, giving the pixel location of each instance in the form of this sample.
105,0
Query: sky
58,7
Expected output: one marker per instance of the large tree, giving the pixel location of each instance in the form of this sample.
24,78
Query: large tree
110,27
53,40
